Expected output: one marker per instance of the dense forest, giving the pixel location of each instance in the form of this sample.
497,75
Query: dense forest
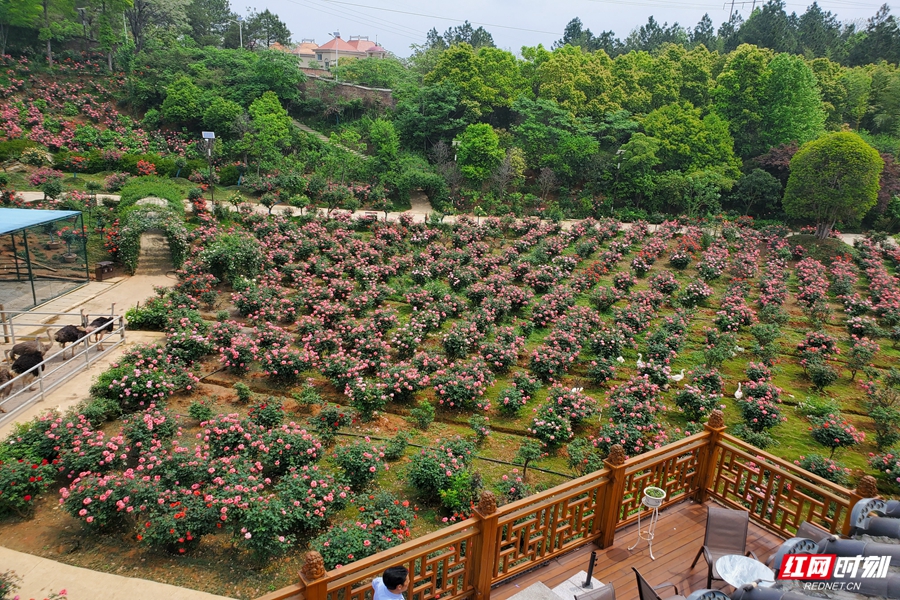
671,119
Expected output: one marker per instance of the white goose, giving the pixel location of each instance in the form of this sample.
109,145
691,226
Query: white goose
739,394
677,378
577,390
640,361
620,360
738,349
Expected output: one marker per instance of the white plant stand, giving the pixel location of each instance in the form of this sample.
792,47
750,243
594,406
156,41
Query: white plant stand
653,503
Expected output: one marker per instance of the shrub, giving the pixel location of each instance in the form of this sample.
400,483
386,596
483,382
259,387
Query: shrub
462,492
760,439
695,403
664,283
601,370
694,294
582,456
759,414
821,374
604,297
360,462
833,432
423,414
396,446
824,467
551,426
887,465
267,413
200,410
433,469
21,481
331,419
141,429
243,391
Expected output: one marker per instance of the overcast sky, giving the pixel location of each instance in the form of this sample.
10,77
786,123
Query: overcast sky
513,23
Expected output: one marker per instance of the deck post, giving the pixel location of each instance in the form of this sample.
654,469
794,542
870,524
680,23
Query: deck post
485,555
715,426
866,487
615,491
313,577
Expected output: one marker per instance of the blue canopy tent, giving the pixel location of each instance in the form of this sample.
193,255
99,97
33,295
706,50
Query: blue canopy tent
43,254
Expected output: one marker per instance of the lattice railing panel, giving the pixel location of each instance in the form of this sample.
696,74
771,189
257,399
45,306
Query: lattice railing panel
439,570
531,533
777,494
675,471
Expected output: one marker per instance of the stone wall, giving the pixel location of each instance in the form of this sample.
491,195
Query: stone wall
329,91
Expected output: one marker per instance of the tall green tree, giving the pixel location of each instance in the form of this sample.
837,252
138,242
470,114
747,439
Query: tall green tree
479,152
208,20
271,130
793,104
147,14
818,33
17,13
690,142
739,97
183,103
757,189
704,33
385,144
262,29
834,178
769,27
431,114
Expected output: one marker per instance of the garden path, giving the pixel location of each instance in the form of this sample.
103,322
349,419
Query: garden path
41,576
36,196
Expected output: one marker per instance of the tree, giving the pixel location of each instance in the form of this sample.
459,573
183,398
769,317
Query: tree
429,115
529,451
704,33
818,32
17,13
183,103
385,144
220,115
511,170
793,105
159,13
208,20
479,152
834,178
466,34
769,27
757,188
271,130
689,142
739,97
777,161
634,169
264,29
575,35
278,72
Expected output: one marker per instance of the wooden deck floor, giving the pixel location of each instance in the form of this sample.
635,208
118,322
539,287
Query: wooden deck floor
679,535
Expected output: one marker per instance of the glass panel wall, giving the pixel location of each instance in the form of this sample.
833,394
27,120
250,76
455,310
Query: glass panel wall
42,262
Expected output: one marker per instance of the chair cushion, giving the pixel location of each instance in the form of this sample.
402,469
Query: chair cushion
605,592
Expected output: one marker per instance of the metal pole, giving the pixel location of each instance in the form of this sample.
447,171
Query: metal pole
40,374
12,329
588,584
28,262
87,267
12,237
241,32
3,319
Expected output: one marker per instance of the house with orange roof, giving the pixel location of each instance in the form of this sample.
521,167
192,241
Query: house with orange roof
356,47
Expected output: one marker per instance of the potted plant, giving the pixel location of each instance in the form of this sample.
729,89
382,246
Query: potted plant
69,236
653,496
53,241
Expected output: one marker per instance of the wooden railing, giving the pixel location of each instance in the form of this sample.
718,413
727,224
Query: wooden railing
466,559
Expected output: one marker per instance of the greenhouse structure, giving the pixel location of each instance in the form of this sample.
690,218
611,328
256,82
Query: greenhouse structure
43,254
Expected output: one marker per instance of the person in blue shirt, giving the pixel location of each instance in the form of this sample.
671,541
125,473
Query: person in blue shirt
392,584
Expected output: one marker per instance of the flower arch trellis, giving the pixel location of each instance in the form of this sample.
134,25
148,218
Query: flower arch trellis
140,219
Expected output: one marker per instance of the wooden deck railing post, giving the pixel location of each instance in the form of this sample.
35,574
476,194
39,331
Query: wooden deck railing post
612,500
485,553
866,487
715,426
313,576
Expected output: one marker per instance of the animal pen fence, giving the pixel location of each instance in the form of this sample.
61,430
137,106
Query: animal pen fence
43,254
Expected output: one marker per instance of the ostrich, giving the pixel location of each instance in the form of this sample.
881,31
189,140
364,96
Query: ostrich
69,335
677,378
26,362
738,394
620,360
640,361
33,347
100,327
